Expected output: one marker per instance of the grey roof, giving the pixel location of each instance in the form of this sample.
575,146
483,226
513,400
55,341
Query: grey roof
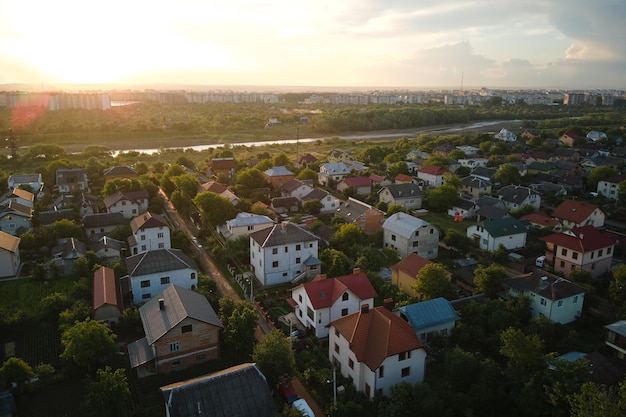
404,190
239,391
284,202
477,182
618,327
429,313
292,185
515,193
315,194
336,168
68,247
180,303
352,209
127,195
160,260
50,216
24,178
107,242
120,170
277,171
465,204
484,172
547,286
103,219
248,219
504,227
404,224
487,200
282,234
140,352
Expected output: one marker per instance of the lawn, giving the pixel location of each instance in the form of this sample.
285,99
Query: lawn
445,222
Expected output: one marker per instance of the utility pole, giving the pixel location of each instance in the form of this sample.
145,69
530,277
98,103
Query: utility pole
11,144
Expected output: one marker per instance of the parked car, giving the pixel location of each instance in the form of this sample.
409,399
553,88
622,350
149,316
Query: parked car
288,392
304,407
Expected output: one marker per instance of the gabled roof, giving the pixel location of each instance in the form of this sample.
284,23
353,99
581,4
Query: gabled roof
375,334
277,171
336,168
484,172
19,209
106,242
352,209
19,193
504,227
146,221
492,212
315,194
433,170
178,304
465,204
222,163
160,260
541,218
282,234
411,265
106,289
404,224
9,242
120,170
325,291
212,186
580,239
239,391
292,185
429,313
25,178
68,247
477,182
358,182
515,193
50,216
546,286
284,202
574,210
248,219
407,190
616,179
103,219
618,327
307,157
126,195
377,179
403,178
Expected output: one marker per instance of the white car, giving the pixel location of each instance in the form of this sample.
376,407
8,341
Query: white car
303,406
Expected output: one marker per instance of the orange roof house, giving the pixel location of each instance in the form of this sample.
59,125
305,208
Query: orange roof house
404,273
107,296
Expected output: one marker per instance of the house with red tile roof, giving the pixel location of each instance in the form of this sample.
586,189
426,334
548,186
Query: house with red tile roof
574,213
304,161
361,185
222,166
432,175
580,248
404,179
376,349
107,296
323,300
541,220
404,273
571,138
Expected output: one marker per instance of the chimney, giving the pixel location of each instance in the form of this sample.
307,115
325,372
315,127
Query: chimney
161,304
283,225
365,308
356,271
321,277
388,303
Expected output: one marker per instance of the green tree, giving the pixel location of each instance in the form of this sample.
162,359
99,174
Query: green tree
240,321
141,168
312,207
488,279
251,179
122,185
458,241
617,288
87,342
187,184
307,174
335,263
215,209
598,174
16,370
347,237
507,175
109,395
433,281
395,208
273,356
441,198
595,400
522,350
79,311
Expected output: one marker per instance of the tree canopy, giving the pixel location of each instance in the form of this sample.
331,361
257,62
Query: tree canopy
433,281
273,356
87,342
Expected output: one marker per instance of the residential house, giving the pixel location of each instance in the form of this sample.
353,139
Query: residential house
475,186
474,162
283,253
404,273
530,133
463,209
129,203
430,318
595,136
220,394
609,187
181,328
368,218
66,252
9,255
360,185
33,181
15,218
339,155
409,196
521,167
332,171
284,205
432,175
590,163
107,296
380,180
109,250
571,139
549,188
468,150
411,155
583,248
553,297
119,172
566,154
278,175
541,220
484,173
304,161
356,167
490,234
151,272
97,225
243,224
222,166
615,338
219,189
543,156
376,349
323,300
506,135
405,179
25,198
443,150
545,168
87,204
48,217
515,197
71,180
409,234
329,202
150,232
297,188
574,213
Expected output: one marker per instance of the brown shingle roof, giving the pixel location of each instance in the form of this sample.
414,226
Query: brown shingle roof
411,265
147,220
106,289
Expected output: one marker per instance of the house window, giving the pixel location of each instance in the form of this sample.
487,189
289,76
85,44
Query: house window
600,252
145,283
381,371
134,211
592,254
336,332
297,260
393,237
146,296
309,313
161,245
406,371
562,264
404,355
564,252
274,251
336,348
250,228
143,237
432,231
186,328
174,346
350,363
417,233
344,312
286,249
165,280
415,244
543,302
143,248
193,275
608,251
559,303
160,235
201,357
300,297
345,296
298,247
275,264
575,255
575,299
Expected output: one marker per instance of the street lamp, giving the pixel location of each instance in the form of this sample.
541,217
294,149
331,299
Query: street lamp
334,381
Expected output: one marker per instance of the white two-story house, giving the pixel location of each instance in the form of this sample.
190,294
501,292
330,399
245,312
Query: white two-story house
150,232
408,234
283,253
335,171
243,224
490,234
376,349
129,203
515,197
323,300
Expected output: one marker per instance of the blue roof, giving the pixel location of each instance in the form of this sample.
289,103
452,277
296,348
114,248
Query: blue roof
428,313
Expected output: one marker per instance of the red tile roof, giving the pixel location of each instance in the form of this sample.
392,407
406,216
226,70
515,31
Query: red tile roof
581,239
411,265
324,292
358,182
106,289
375,334
541,218
574,211
404,178
433,170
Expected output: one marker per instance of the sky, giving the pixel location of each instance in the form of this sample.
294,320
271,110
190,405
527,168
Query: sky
566,44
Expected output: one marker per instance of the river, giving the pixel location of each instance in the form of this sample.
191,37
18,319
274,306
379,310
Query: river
444,129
